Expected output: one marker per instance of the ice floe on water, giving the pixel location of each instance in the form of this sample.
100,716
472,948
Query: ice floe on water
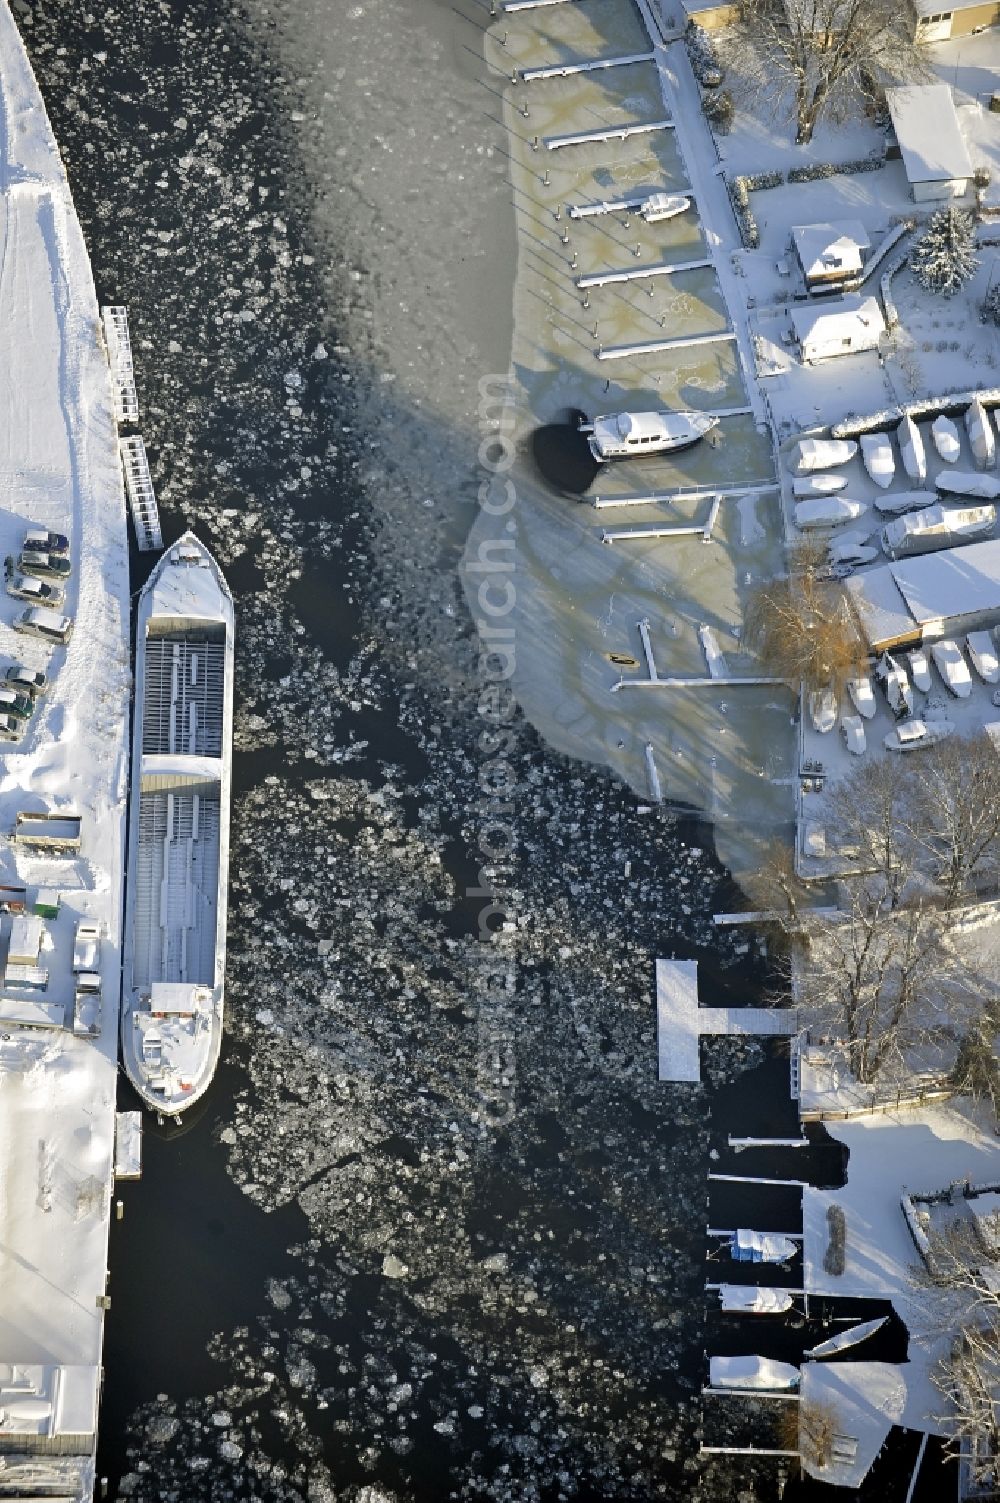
501,1294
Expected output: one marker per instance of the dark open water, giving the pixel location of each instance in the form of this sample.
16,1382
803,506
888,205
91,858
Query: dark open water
352,1275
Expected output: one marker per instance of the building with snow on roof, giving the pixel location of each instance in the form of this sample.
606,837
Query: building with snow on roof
830,253
844,328
935,156
960,19
935,595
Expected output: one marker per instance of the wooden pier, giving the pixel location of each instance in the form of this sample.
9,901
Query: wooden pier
657,346
566,70
680,1022
638,273
611,133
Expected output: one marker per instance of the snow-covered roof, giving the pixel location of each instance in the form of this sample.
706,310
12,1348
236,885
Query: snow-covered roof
880,607
899,599
928,132
841,320
934,7
825,249
954,582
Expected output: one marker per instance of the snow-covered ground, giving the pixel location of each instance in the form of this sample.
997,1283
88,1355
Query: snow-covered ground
60,470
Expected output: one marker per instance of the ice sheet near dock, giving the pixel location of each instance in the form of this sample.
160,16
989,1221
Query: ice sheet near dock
59,467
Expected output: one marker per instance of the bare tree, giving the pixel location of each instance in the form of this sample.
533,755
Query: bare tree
774,887
810,1427
878,976
872,808
803,629
954,795
830,54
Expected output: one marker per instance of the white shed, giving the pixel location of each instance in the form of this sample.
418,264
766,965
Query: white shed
841,328
830,252
933,149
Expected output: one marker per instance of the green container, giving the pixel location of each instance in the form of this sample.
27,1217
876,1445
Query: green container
47,903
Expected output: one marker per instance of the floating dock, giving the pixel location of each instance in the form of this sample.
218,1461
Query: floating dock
681,1023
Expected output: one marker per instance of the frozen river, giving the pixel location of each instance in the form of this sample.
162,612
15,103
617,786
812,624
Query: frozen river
437,1233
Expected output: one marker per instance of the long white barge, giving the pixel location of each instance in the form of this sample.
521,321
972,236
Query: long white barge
178,848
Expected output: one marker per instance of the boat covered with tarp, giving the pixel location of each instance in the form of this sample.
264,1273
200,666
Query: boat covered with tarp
755,1374
748,1246
743,1299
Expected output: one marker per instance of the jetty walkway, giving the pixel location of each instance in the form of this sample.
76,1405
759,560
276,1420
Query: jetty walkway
680,1022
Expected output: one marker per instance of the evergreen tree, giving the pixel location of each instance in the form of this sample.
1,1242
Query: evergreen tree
945,256
991,306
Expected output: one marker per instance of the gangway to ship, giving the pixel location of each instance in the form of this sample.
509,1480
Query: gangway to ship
119,343
141,496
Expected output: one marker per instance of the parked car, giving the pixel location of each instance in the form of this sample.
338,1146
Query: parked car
13,703
48,565
10,728
30,680
38,539
48,625
27,587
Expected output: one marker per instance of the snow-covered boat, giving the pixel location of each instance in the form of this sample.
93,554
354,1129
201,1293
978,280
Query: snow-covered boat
879,460
178,868
748,1246
852,728
911,735
953,668
966,483
896,685
744,1299
920,669
862,695
823,710
827,511
847,551
663,206
983,656
946,439
900,501
820,454
911,449
817,485
631,435
759,1374
982,438
936,527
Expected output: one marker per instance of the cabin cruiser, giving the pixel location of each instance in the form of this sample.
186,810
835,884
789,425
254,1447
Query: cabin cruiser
823,710
951,665
911,449
900,501
862,695
820,454
852,728
936,527
827,511
982,438
983,655
920,669
968,483
946,440
878,458
817,485
911,735
631,435
895,684
178,867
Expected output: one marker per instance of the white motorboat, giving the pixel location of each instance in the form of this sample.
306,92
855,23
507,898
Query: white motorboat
632,435
911,735
953,668
936,527
878,458
817,485
178,868
911,449
895,684
823,710
664,206
827,511
862,695
852,728
983,656
820,454
967,483
758,1374
920,669
745,1299
982,438
749,1246
946,439
900,501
